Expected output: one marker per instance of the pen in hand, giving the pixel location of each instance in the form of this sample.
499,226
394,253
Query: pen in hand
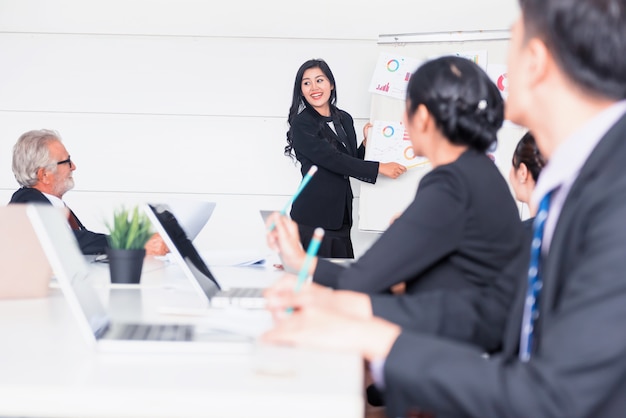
311,252
303,183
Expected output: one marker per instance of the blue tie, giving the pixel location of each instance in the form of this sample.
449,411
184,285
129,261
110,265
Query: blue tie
531,306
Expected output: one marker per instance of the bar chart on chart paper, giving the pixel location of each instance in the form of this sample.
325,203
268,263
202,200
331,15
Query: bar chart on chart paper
391,75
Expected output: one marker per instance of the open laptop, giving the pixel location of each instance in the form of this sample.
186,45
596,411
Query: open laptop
194,267
26,272
193,215
97,327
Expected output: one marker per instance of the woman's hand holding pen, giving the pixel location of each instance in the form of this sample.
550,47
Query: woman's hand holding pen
285,239
282,296
312,325
316,316
391,170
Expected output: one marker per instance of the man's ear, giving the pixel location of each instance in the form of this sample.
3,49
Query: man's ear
539,62
42,175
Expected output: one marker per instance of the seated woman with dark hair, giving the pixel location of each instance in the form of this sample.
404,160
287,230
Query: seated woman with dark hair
527,164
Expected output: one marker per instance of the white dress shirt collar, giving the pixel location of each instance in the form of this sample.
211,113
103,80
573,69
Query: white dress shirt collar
56,202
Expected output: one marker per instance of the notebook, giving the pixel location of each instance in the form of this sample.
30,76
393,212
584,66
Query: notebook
26,272
195,268
96,326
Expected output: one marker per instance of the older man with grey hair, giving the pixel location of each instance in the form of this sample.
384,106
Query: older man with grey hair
44,169
42,166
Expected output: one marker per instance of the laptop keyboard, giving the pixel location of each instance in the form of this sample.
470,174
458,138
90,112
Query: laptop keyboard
157,332
244,292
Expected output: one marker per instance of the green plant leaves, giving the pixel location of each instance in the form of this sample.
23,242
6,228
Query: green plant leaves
130,230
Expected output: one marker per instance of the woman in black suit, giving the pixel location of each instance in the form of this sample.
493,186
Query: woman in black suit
463,226
323,135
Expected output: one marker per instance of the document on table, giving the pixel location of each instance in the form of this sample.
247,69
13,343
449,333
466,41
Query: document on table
234,258
249,257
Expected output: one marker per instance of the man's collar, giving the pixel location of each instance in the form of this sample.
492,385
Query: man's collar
571,155
56,202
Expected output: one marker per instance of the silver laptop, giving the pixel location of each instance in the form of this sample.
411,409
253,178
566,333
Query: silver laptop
194,267
71,270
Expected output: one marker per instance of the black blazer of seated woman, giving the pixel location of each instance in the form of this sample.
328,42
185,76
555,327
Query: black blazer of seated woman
460,230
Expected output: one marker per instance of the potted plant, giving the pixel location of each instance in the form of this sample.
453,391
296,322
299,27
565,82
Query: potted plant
128,234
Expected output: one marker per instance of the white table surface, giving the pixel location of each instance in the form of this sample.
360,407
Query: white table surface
48,370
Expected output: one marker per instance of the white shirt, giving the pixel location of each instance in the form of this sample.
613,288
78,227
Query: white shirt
56,202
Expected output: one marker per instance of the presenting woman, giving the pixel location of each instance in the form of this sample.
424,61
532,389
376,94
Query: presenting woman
323,135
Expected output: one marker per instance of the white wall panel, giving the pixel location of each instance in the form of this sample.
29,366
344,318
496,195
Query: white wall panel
172,75
322,19
170,154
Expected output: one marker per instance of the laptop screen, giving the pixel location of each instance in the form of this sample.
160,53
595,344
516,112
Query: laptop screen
70,268
182,248
25,268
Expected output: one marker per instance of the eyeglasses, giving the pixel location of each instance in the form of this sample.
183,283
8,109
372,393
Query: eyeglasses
67,161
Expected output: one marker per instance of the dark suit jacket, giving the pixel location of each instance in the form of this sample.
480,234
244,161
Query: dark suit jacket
578,366
328,195
459,232
477,315
89,242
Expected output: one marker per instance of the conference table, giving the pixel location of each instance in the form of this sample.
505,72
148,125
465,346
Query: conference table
47,368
